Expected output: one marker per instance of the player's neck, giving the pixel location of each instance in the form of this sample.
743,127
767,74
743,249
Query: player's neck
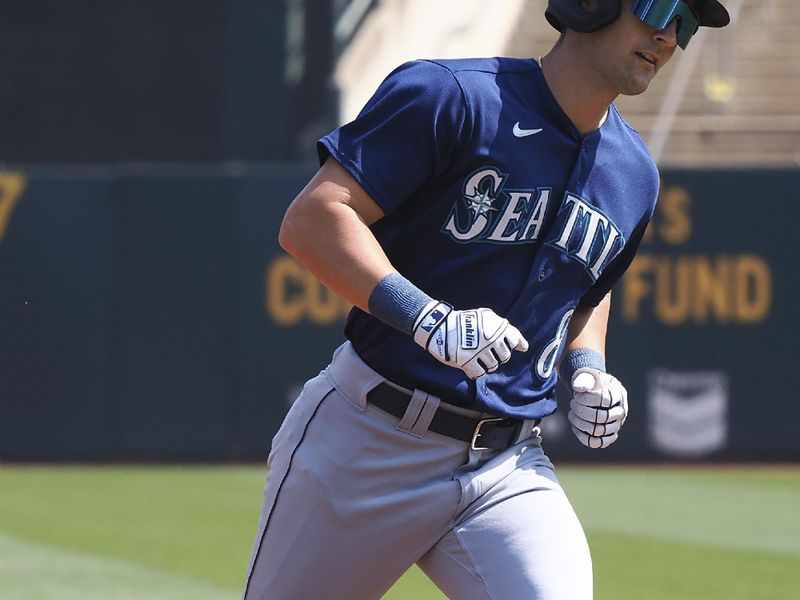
576,89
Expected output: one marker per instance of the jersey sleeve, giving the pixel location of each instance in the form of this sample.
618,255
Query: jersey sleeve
406,134
612,274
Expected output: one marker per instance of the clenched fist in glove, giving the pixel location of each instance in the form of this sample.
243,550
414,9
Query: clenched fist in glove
598,408
476,341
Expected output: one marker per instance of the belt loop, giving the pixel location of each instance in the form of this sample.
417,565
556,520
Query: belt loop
528,429
415,406
425,416
351,376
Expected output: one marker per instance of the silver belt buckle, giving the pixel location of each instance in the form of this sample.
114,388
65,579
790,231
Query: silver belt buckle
477,432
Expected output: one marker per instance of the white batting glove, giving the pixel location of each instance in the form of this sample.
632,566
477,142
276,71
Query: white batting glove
598,408
476,341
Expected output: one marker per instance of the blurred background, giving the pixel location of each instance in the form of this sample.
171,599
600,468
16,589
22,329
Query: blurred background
148,151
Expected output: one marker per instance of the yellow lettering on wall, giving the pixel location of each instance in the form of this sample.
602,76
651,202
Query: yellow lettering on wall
284,280
636,286
698,289
676,220
672,290
713,294
672,220
293,294
11,187
753,289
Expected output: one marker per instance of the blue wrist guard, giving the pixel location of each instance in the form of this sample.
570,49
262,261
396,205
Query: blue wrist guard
397,302
579,358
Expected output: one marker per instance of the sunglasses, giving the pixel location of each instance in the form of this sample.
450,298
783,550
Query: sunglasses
658,14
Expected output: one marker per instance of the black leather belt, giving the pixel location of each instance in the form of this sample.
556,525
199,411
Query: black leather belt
493,433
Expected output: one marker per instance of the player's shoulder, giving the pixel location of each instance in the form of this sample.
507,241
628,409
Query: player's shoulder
421,83
459,69
630,152
470,79
481,79
630,139
496,65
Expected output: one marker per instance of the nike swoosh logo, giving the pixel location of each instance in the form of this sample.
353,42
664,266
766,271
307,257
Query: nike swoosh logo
524,132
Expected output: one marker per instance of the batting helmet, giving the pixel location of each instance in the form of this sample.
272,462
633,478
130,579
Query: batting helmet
574,14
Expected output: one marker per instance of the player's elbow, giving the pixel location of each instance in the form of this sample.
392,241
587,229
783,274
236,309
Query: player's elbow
290,236
297,234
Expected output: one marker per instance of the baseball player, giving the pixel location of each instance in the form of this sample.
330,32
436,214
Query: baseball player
477,214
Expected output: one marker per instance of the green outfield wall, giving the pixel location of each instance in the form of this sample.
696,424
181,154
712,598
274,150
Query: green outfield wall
149,313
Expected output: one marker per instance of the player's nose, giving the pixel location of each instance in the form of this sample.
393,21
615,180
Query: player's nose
669,35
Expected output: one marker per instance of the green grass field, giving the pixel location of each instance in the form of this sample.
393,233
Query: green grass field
125,533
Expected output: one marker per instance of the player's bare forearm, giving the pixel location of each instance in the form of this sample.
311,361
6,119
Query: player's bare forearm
588,327
326,228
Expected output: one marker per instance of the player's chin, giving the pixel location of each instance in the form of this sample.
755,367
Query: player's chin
637,78
636,86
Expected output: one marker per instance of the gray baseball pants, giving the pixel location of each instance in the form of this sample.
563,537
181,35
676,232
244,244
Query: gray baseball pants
355,496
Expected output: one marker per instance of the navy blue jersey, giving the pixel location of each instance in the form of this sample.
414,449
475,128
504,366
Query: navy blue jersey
492,198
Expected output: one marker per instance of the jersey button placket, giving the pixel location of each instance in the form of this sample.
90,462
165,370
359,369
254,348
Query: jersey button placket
582,163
